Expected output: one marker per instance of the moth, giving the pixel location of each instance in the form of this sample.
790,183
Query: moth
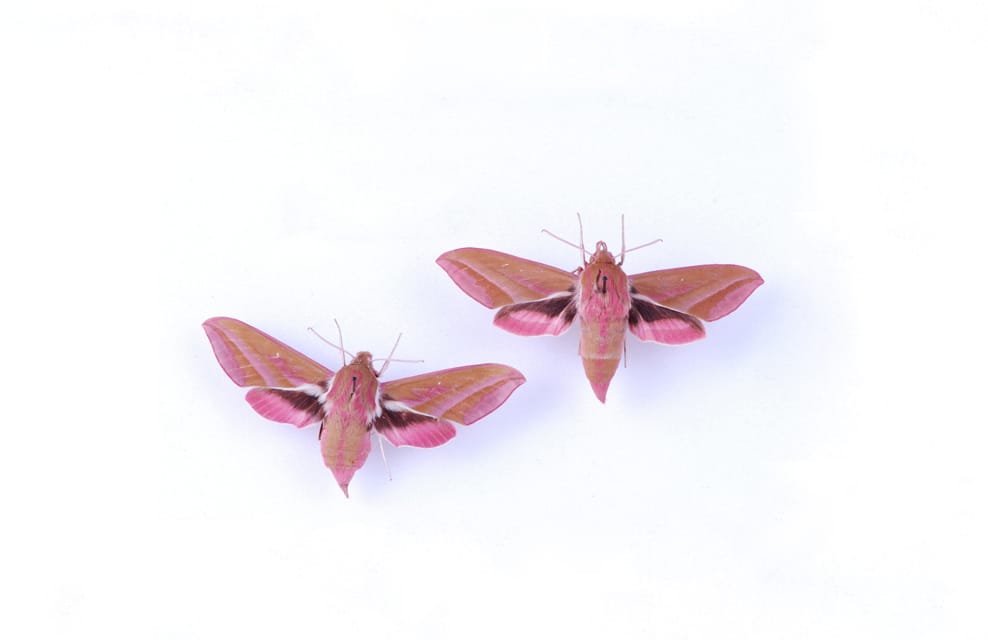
289,387
665,306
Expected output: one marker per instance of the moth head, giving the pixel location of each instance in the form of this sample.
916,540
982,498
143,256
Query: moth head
601,254
363,359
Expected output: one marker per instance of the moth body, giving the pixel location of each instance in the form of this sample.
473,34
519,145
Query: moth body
665,306
352,405
287,386
604,302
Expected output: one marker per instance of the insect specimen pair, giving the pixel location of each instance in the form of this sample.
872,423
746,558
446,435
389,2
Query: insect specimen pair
665,306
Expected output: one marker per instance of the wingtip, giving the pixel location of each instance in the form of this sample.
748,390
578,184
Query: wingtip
756,279
445,261
217,320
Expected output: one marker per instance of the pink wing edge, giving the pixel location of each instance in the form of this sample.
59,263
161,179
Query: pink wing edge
721,290
483,282
549,316
653,322
274,362
426,400
300,407
421,430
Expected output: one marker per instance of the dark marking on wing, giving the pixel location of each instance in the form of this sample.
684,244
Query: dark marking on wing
301,400
400,418
643,310
551,307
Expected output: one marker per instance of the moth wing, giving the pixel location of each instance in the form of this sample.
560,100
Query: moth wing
708,291
301,406
404,427
548,316
252,358
462,394
655,323
496,279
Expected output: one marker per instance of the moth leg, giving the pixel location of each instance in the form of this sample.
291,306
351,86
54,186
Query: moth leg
380,442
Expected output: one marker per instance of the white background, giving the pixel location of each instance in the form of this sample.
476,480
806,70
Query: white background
813,469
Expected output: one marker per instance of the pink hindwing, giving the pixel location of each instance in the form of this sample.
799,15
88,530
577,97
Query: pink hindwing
288,387
665,306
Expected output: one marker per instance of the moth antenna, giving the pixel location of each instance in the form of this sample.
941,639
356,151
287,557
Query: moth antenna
339,332
621,259
563,240
627,251
380,443
399,360
583,251
388,360
343,352
642,246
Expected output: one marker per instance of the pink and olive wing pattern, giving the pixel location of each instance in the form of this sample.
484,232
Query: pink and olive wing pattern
655,323
548,316
496,279
463,395
708,291
417,411
252,358
404,427
301,407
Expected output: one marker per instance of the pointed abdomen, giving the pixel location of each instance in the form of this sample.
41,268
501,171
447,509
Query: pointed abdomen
345,446
601,345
